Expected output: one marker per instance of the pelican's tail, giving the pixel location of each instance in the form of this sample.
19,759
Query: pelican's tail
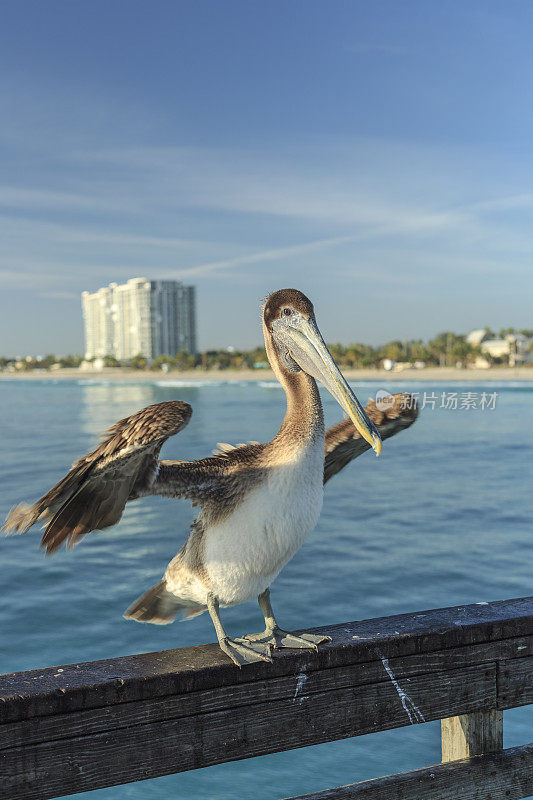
160,606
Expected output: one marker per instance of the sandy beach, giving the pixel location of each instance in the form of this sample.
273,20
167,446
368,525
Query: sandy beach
431,374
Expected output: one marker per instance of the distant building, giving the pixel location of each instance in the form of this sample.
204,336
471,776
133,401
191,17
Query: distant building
99,328
173,317
497,348
515,348
140,317
477,336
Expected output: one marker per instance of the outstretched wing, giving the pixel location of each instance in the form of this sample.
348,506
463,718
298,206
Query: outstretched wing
344,442
213,479
93,494
125,466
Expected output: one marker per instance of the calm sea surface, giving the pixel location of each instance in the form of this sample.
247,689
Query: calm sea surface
442,518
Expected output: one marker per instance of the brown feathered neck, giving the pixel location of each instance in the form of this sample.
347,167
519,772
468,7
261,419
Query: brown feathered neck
304,418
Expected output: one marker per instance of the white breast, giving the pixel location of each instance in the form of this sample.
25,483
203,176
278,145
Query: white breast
245,552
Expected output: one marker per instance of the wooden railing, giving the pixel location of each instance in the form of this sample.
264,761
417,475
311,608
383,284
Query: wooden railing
86,726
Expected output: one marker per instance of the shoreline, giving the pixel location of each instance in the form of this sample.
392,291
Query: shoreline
438,374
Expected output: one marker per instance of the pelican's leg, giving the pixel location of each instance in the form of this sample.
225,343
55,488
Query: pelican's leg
240,651
276,636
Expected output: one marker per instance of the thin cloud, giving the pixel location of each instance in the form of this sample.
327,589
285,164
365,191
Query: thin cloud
415,225
382,192
503,203
420,225
48,200
65,232
266,255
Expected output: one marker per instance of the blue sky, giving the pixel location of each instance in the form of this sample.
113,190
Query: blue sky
376,155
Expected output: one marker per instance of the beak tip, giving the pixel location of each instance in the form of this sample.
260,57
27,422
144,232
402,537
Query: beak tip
377,444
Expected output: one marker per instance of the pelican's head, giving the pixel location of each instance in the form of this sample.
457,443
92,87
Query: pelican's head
289,317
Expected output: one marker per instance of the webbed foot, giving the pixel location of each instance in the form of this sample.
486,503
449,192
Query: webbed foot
245,652
278,638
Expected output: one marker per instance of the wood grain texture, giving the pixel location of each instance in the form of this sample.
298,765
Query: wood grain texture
78,762
80,727
74,687
507,775
94,720
515,681
469,735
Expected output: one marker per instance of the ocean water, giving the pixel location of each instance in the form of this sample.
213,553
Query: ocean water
442,518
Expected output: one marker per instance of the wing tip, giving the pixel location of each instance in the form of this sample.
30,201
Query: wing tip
20,519
401,405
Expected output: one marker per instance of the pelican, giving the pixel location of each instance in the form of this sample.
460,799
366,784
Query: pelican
258,502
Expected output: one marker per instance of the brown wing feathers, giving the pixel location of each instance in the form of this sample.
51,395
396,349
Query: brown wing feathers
344,443
125,465
94,492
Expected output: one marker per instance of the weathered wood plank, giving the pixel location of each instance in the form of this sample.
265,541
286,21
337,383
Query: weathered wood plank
515,682
83,762
507,774
469,735
155,709
179,672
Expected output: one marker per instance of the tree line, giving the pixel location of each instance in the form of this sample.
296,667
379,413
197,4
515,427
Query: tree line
445,349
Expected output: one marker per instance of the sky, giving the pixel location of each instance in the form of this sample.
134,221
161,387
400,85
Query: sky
377,156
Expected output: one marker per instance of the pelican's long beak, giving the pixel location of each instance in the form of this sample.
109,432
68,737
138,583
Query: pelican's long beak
309,350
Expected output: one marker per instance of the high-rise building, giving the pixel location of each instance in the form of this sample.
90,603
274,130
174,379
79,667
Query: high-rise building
99,327
173,317
140,317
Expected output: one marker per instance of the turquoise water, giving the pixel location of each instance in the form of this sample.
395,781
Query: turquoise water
442,518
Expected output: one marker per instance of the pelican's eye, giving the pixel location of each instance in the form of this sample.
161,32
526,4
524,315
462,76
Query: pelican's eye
287,311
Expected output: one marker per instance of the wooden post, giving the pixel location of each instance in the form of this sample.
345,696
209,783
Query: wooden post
471,735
